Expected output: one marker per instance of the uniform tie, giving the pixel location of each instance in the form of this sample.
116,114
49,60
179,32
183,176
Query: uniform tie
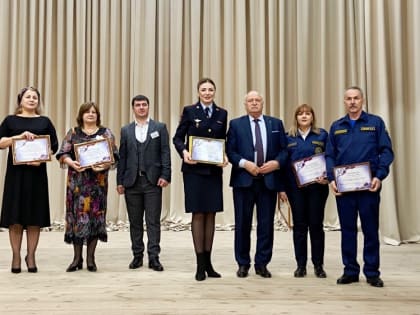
258,143
207,111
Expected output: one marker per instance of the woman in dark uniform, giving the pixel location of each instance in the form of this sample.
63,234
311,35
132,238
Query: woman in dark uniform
308,202
25,198
202,182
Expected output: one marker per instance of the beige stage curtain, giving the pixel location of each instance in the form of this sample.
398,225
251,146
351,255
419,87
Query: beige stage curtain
292,51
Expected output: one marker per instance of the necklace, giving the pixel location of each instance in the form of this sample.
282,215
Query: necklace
90,131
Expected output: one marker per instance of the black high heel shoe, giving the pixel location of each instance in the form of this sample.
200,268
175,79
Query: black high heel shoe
16,270
74,266
31,269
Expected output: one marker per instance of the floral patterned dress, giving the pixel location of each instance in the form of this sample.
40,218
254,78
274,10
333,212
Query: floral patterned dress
86,197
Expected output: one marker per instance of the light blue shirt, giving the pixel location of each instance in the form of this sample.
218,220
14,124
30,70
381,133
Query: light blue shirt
210,107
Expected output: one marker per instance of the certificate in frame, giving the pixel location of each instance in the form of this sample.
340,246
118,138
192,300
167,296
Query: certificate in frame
307,170
353,177
94,152
26,151
207,150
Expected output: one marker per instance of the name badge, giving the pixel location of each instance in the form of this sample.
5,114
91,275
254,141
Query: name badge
154,134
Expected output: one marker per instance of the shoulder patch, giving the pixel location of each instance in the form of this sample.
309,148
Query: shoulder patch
320,143
373,128
340,131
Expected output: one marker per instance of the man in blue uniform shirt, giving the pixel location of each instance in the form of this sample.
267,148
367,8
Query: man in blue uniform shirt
359,137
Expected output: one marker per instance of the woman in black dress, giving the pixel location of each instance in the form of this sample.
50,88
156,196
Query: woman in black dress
25,198
202,182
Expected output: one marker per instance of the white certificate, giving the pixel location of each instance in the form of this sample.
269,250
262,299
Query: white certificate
94,152
207,150
36,150
307,170
353,177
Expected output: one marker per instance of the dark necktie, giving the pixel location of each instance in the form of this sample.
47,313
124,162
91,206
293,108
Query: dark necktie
207,111
258,143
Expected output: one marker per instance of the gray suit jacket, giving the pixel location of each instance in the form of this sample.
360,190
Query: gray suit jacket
157,157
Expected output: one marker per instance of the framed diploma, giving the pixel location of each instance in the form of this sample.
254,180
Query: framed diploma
36,150
94,152
307,170
207,150
353,177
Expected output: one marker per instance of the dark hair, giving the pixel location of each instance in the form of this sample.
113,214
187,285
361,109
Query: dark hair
300,109
205,80
20,96
139,98
84,108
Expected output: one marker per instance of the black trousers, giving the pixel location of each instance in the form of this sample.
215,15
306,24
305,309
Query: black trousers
308,206
144,200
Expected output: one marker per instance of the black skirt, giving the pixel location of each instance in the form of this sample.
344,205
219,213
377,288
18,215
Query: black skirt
203,193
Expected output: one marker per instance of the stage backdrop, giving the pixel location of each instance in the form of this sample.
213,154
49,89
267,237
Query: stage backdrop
293,52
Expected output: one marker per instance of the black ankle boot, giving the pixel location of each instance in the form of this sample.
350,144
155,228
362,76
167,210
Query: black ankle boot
200,275
75,265
211,273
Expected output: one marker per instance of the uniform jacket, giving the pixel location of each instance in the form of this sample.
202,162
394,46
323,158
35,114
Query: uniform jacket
195,123
299,148
367,141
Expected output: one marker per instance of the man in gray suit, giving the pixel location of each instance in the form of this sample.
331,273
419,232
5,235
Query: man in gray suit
143,170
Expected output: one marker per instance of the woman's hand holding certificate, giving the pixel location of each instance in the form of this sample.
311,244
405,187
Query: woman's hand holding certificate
93,153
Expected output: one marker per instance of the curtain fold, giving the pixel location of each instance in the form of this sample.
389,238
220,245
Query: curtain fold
293,52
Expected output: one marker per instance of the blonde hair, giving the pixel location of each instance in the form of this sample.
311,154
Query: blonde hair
293,131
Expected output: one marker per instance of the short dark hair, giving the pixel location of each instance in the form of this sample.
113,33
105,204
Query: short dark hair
205,80
85,107
20,96
139,98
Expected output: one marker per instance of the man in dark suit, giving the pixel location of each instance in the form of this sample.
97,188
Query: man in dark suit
143,170
256,147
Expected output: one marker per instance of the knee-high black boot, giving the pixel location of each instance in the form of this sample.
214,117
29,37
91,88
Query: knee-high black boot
200,275
209,268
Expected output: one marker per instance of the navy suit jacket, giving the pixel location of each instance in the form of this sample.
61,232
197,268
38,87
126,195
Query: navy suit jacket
157,157
240,145
195,123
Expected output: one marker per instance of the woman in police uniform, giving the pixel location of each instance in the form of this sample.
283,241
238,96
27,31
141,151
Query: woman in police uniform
305,139
202,182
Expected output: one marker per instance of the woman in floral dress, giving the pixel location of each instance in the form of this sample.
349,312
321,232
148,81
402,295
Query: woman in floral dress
87,187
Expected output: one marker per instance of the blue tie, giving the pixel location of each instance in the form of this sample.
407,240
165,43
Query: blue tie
258,143
207,111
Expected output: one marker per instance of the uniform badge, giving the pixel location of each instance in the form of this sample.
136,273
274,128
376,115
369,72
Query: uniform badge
197,122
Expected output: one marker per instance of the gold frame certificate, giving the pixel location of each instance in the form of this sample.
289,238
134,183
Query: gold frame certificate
353,177
207,150
37,150
93,153
307,170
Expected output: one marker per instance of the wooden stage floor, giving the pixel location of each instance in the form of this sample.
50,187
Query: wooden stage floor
115,289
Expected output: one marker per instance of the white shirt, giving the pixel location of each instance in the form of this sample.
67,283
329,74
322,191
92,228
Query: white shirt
263,130
141,130
304,134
